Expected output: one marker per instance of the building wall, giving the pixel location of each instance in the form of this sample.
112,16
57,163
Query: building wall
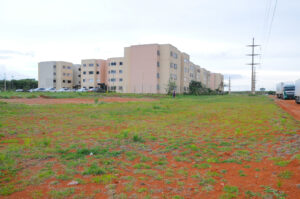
93,72
64,75
185,74
76,76
142,66
45,74
116,74
57,74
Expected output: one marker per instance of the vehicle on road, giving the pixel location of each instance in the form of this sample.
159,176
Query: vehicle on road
285,90
19,90
297,91
82,90
38,90
63,90
50,90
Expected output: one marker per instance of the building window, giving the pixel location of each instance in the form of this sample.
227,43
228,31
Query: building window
175,66
83,80
113,71
158,64
158,53
113,79
121,63
98,80
64,81
113,63
69,81
84,65
91,72
120,71
84,72
54,81
157,87
121,79
91,80
64,66
157,75
97,65
54,66
64,74
79,69
79,75
171,65
69,67
120,88
186,60
54,73
97,72
171,54
91,65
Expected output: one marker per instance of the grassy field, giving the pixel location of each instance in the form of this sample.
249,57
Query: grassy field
188,147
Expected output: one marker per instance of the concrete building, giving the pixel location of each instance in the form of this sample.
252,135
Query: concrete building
93,73
117,74
151,67
147,68
55,74
76,76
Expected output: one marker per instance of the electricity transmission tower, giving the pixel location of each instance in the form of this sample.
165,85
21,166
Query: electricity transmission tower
229,87
253,74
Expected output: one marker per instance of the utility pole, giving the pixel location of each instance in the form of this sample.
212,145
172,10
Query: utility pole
253,79
4,82
229,86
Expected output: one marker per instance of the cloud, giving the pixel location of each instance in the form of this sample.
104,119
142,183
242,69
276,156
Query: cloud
233,76
13,52
5,57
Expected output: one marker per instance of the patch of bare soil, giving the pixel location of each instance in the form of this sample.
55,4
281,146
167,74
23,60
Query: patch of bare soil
289,106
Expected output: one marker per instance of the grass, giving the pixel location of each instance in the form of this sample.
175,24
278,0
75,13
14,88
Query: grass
190,144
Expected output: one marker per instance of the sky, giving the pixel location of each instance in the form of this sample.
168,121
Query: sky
213,32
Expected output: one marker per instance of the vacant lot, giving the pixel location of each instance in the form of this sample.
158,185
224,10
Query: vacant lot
188,147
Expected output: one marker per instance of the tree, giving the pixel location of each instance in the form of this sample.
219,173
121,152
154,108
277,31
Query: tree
197,88
171,87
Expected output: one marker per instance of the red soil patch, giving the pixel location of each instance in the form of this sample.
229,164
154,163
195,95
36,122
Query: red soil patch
73,100
289,106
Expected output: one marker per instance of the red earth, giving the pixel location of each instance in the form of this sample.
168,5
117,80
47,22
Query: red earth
289,106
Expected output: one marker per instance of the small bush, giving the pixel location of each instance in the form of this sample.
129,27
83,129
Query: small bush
94,169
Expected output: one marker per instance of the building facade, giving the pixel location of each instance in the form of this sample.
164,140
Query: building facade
116,75
55,74
93,73
148,68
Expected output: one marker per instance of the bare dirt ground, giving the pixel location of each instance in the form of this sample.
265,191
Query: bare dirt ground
289,106
72,100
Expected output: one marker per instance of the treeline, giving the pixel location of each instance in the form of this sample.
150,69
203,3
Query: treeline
197,88
24,84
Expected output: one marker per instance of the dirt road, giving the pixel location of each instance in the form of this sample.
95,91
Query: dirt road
289,106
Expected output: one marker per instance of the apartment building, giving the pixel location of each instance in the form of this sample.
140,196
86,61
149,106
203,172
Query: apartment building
55,74
93,73
147,68
216,81
76,76
151,67
117,74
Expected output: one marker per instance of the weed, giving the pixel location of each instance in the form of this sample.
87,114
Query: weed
285,174
94,169
62,193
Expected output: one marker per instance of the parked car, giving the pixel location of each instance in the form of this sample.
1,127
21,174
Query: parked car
285,90
297,91
82,90
39,90
50,90
62,90
19,90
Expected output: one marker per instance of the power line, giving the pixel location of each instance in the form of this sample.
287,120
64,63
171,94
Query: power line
253,64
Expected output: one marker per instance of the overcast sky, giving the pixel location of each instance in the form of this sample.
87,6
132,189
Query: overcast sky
213,32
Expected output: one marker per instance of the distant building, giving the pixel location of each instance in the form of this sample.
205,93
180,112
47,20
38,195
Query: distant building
144,68
55,74
93,73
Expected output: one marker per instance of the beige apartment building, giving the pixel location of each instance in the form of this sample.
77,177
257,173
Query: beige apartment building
55,74
117,75
151,67
93,73
144,68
